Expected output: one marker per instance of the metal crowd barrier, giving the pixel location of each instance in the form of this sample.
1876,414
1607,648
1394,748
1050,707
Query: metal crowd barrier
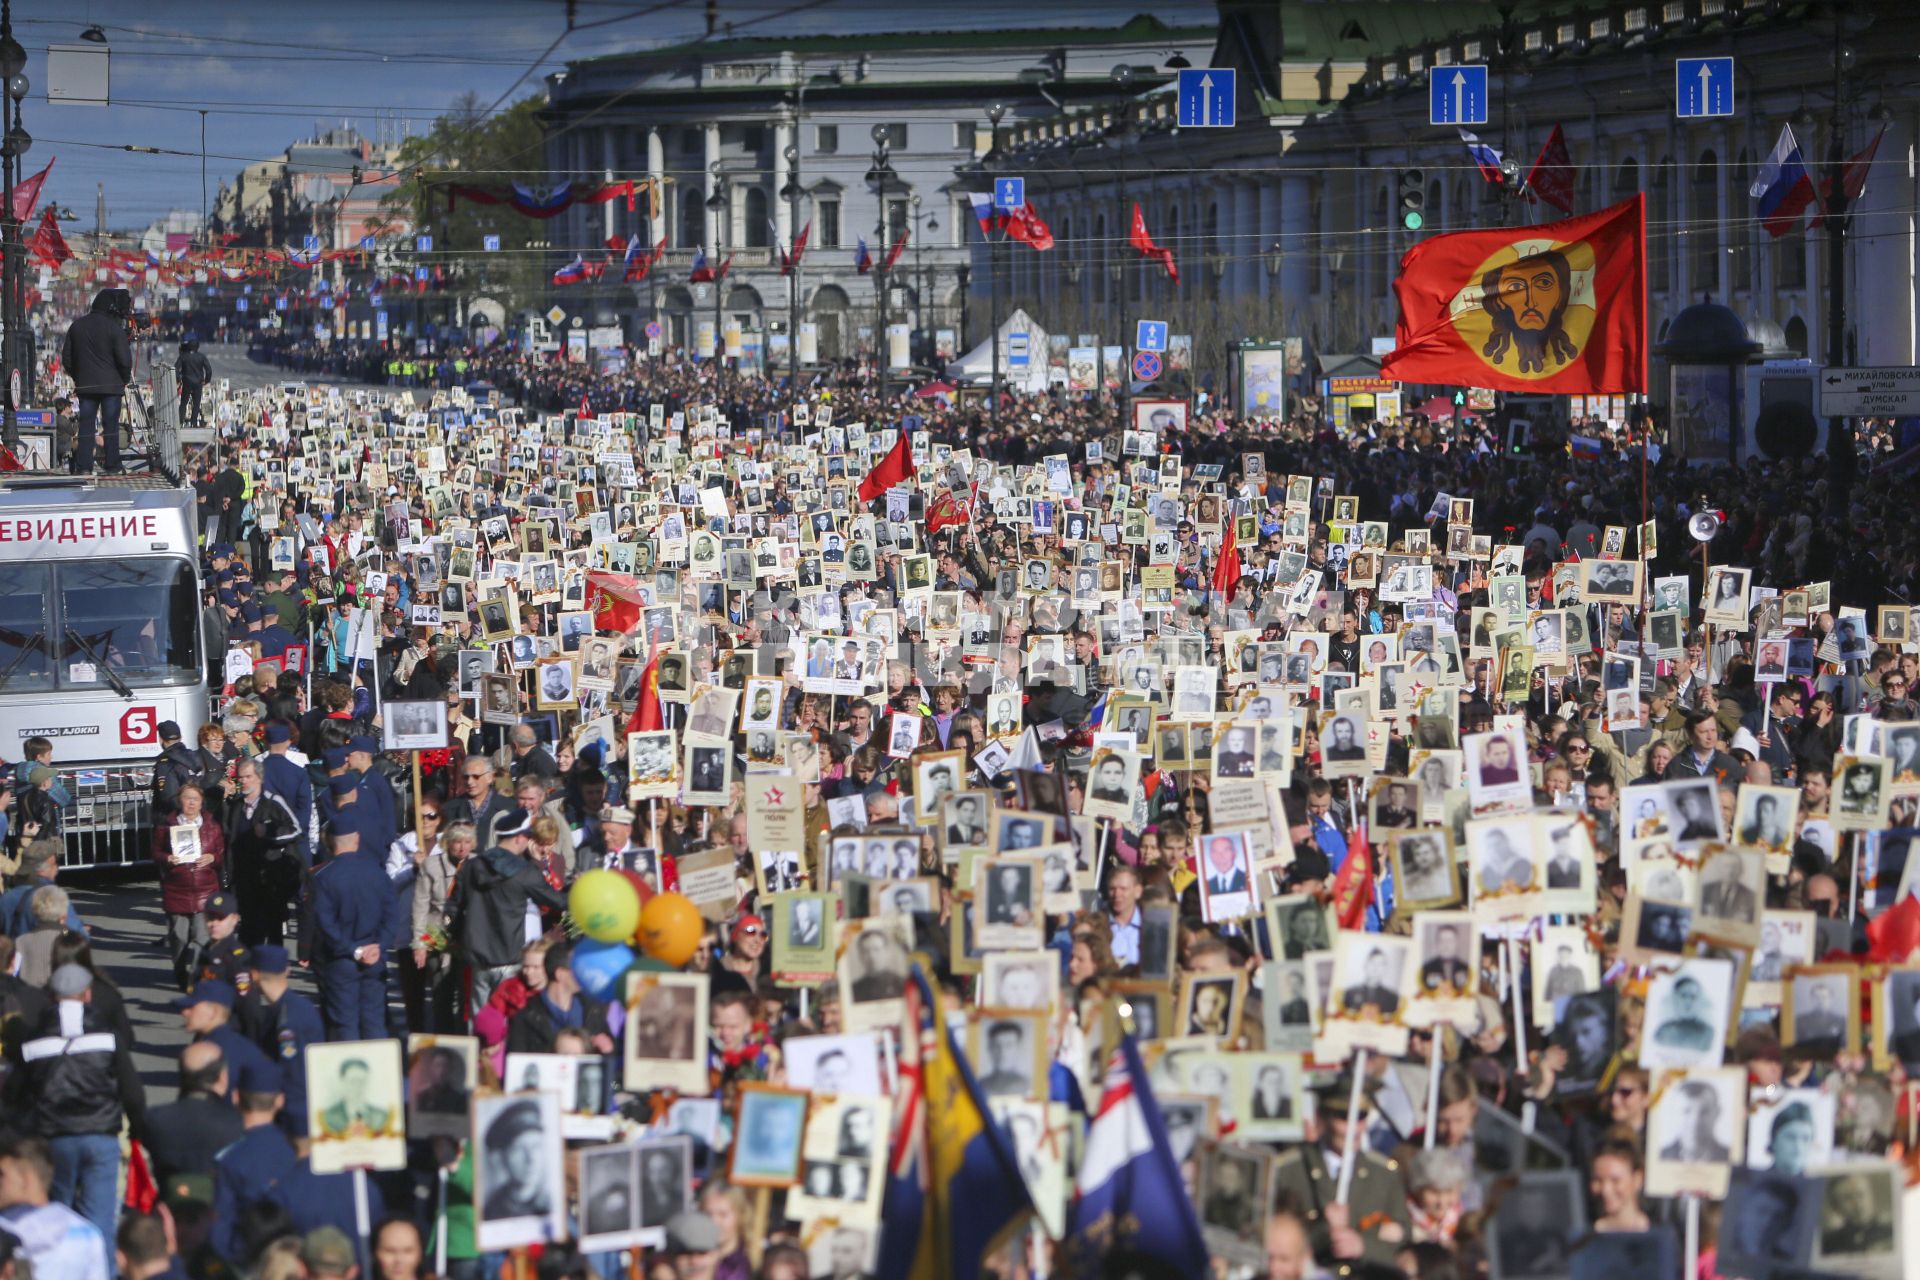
110,823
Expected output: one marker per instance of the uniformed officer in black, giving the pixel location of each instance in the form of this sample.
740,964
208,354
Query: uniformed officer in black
249,1171
282,1022
207,1010
223,955
354,913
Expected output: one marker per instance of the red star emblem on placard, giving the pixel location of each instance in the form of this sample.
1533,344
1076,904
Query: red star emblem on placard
775,795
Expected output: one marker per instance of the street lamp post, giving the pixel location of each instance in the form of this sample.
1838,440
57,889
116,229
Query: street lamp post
995,113
791,194
717,203
879,176
13,65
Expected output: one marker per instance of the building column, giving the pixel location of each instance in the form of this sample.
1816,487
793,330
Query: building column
1296,203
657,172
1722,260
1880,252
712,220
1269,226
783,136
1242,240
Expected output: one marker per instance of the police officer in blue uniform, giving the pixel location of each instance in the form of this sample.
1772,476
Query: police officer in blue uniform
282,1022
208,1011
354,909
342,789
222,955
379,810
249,1171
281,777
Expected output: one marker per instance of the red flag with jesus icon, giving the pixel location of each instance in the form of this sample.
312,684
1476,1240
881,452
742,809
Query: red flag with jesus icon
1557,308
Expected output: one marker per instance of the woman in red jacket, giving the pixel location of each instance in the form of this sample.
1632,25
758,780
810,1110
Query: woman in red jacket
191,855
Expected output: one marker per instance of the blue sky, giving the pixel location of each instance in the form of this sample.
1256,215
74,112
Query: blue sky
271,73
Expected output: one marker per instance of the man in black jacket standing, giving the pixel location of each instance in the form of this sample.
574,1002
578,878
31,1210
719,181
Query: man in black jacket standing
98,356
195,373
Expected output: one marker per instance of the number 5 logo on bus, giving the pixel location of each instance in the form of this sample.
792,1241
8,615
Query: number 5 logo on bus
140,727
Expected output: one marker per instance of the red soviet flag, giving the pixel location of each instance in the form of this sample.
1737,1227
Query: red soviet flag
1558,308
890,470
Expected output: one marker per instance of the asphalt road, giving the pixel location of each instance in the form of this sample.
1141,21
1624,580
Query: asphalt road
122,911
231,362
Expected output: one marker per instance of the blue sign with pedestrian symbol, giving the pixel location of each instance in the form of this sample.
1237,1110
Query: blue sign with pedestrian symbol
1457,95
1206,97
1009,194
1146,366
490,243
1150,335
1702,87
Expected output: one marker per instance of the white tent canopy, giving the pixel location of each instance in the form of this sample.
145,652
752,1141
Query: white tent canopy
976,366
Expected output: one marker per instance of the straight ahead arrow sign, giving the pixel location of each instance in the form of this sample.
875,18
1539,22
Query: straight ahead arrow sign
1459,95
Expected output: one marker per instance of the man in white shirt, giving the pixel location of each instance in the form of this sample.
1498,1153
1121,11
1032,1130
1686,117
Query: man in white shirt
1123,892
55,1239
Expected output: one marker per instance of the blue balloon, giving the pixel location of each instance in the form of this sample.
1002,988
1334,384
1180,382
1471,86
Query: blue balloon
598,966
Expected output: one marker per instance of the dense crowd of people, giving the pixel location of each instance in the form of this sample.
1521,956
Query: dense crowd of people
1468,867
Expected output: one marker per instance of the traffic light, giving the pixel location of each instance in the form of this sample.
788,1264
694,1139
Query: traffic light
1413,199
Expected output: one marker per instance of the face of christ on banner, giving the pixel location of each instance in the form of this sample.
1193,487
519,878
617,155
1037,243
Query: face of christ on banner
1529,307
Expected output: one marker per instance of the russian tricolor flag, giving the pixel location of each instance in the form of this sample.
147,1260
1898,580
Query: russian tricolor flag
1782,186
573,273
1485,155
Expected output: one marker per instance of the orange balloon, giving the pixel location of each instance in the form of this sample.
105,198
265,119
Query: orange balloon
670,928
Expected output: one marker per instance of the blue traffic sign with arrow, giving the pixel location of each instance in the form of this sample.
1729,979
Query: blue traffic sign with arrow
1457,95
1702,87
1150,335
1206,97
1009,194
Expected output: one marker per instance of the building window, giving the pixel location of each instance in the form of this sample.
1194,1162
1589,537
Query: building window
754,235
753,137
1790,267
1443,57
826,138
1601,28
1710,7
899,218
1633,20
1564,33
963,135
1674,11
1416,63
896,134
692,142
1470,51
1703,226
826,223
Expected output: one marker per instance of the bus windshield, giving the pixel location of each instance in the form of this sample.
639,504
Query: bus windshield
140,618
114,624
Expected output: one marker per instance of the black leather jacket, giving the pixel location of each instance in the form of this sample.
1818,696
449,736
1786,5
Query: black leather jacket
85,1085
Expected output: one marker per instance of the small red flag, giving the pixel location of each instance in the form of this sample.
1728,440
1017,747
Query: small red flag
1553,173
1894,934
890,470
1226,570
1353,886
1553,309
893,254
1142,241
26,194
646,716
1853,179
48,245
143,1192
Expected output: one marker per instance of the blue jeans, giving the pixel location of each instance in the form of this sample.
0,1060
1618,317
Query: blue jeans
86,1178
107,409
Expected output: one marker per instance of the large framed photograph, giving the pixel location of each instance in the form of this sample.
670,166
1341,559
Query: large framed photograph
1768,1223
1861,793
1211,1004
1688,1008
1502,874
1285,1009
579,1080
1535,1223
1159,925
1896,1019
1008,1049
1159,416
1227,890
1859,1231
1765,817
519,1184
1269,1096
708,770
1010,887
354,1112
629,1191
1020,979
1371,973
1653,928
441,1074
1447,957
769,1125
873,971
1696,1130
1232,1189
834,1064
1733,890
1298,923
1820,1015
413,726
665,1043
840,1177
802,937
1786,939
1497,776
1792,1131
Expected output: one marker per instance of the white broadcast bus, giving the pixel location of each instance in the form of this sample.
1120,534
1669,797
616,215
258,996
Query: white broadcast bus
100,641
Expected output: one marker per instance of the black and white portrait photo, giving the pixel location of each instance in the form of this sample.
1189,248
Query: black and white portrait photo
1534,1223
1687,1012
873,970
1859,1218
1819,1016
413,726
1769,1221
519,1183
1423,869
